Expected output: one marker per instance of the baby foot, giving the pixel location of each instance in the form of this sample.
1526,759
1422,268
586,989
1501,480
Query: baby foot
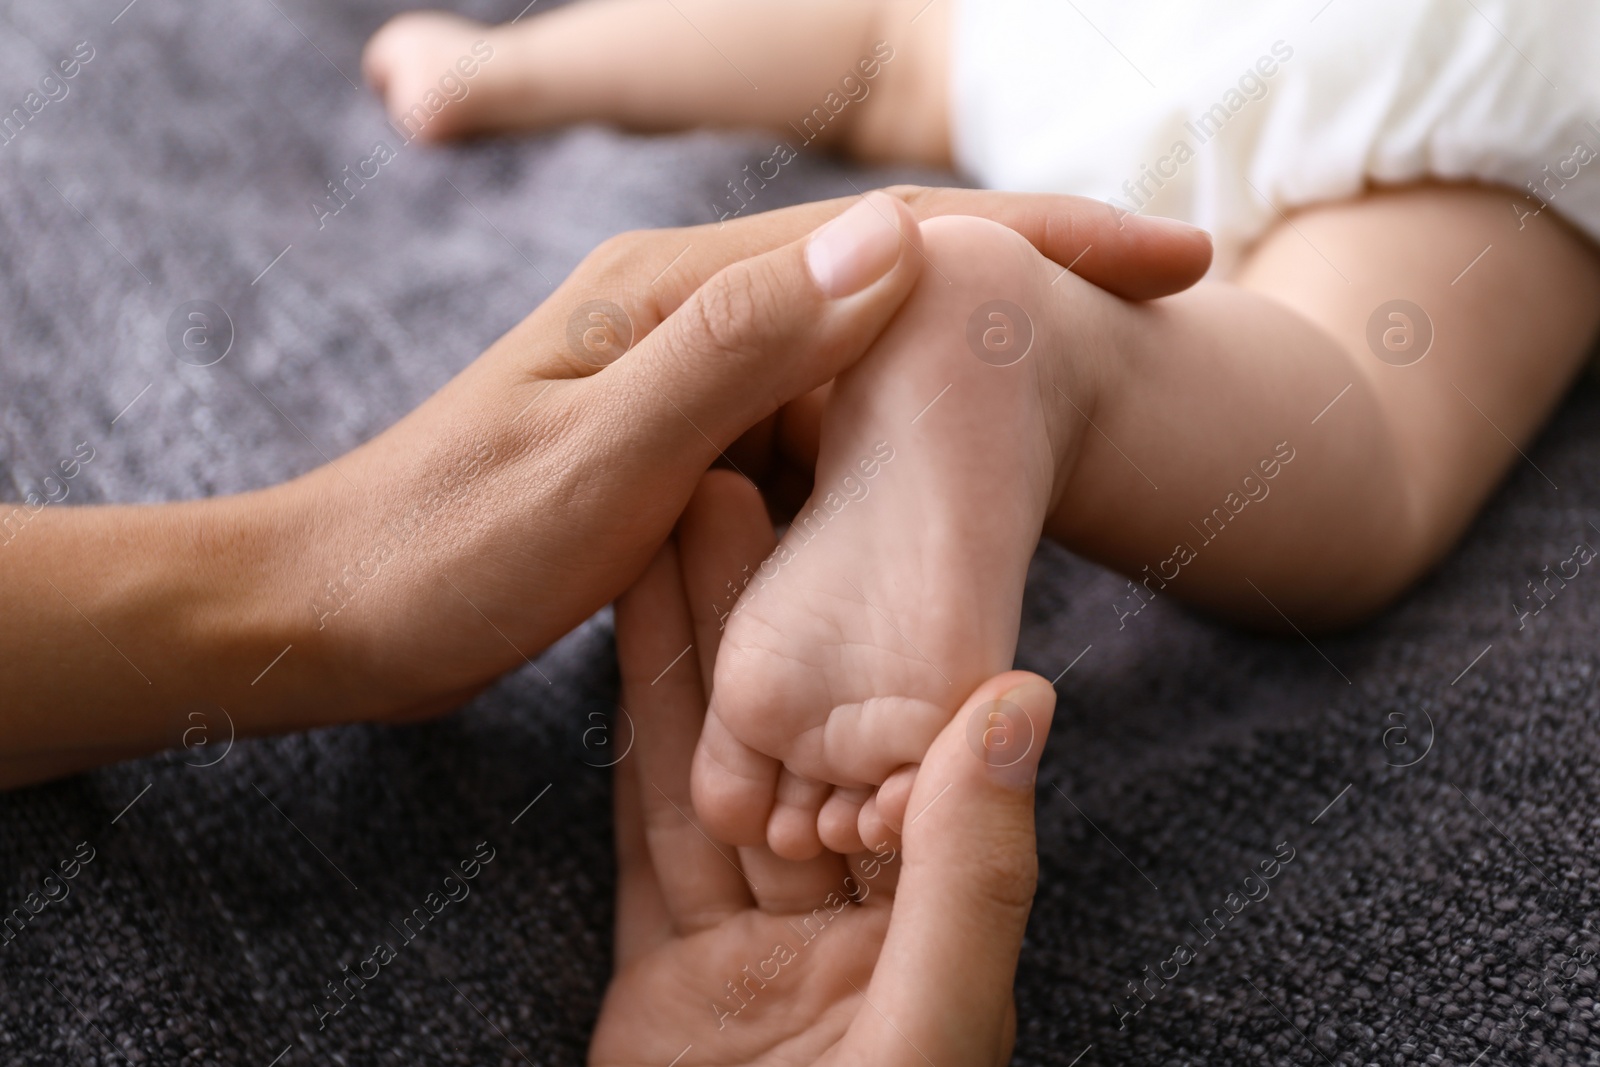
429,68
898,587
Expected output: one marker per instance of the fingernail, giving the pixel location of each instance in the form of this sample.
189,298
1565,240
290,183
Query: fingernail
1013,754
857,248
1177,227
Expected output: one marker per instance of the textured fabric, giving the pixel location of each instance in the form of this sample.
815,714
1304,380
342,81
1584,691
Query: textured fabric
1416,918
1227,113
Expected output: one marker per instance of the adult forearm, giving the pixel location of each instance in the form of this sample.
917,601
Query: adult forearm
399,579
119,622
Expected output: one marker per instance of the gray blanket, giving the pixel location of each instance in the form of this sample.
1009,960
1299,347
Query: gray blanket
1423,791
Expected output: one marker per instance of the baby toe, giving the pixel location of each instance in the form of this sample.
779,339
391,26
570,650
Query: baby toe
838,822
866,742
893,796
733,786
792,827
874,831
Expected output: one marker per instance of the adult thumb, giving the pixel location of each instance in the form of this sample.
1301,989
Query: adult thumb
768,329
943,983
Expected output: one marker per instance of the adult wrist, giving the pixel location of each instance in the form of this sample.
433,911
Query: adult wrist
375,572
223,584
265,613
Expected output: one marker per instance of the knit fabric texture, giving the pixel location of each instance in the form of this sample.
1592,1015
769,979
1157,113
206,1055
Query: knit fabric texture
1425,789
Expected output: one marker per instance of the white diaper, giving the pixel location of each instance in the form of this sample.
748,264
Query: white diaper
1225,113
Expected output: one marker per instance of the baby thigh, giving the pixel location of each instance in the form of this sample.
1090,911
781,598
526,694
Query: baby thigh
1307,439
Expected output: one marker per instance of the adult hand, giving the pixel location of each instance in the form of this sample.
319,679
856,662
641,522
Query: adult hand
524,495
734,956
584,469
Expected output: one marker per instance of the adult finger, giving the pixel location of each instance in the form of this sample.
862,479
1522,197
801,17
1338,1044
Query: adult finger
945,975
701,882
725,534
643,922
1137,257
759,333
789,887
877,873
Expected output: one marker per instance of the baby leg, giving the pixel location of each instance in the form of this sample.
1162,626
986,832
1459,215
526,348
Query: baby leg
1403,347
898,587
860,75
1240,445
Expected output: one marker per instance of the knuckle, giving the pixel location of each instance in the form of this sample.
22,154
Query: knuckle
610,250
914,195
620,251
735,314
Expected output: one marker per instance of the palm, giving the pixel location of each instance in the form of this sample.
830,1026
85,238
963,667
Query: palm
734,956
674,1001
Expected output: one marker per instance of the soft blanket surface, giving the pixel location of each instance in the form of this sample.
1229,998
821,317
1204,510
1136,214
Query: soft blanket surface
1441,912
